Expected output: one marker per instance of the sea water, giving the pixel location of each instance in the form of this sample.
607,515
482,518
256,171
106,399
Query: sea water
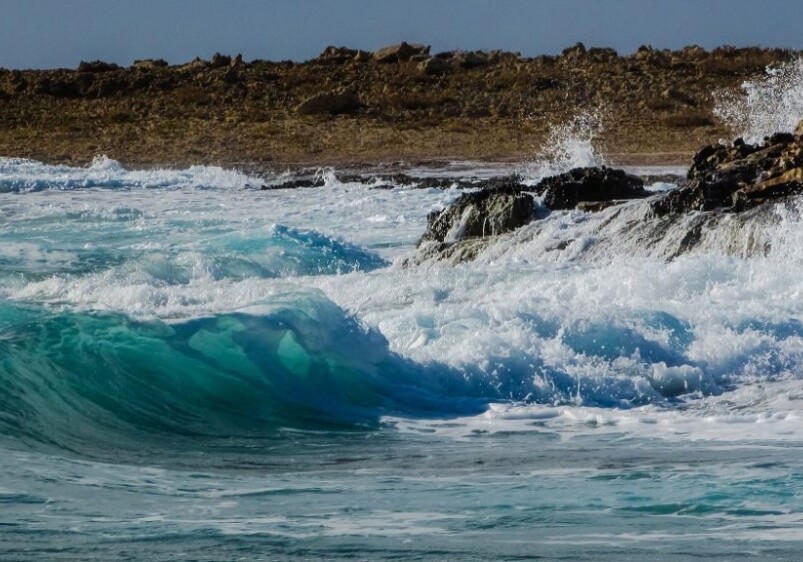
192,368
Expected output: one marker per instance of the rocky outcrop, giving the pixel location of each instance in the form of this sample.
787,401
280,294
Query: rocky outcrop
464,228
334,103
434,65
220,61
461,230
471,59
97,66
337,55
739,176
150,64
484,106
589,185
401,52
488,212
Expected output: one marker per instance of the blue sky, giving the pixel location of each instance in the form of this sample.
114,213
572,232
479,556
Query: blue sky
61,33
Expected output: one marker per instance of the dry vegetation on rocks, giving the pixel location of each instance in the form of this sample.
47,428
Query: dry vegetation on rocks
351,106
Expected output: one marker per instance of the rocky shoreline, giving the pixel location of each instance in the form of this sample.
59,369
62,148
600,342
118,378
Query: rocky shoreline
353,107
723,180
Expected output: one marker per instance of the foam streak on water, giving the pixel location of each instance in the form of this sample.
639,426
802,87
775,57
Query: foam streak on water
193,368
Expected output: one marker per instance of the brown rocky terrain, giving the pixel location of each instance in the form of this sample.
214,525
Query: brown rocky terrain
350,106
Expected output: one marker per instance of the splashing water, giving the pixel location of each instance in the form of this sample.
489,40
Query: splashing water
770,104
190,368
569,145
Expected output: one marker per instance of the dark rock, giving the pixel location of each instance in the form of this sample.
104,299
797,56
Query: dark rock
433,66
333,103
219,61
565,191
788,183
575,52
400,53
472,221
676,201
739,176
460,231
316,180
389,181
362,56
598,54
471,59
481,214
97,66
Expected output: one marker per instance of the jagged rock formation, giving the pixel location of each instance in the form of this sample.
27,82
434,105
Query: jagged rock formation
739,176
488,212
461,230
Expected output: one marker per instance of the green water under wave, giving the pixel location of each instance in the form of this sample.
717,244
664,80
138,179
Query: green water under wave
94,379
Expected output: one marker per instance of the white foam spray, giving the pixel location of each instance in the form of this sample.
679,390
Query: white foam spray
770,104
571,144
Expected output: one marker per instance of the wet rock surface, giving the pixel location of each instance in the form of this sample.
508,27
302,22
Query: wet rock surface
464,228
488,212
461,230
734,178
739,176
317,178
587,185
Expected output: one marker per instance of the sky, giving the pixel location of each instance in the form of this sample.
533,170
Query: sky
61,33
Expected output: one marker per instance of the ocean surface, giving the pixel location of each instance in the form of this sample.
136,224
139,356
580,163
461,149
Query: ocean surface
192,368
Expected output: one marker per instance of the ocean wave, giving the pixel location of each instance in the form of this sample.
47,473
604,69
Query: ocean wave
97,380
19,175
94,381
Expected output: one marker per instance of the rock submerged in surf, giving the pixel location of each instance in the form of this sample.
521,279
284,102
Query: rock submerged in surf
461,230
487,212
